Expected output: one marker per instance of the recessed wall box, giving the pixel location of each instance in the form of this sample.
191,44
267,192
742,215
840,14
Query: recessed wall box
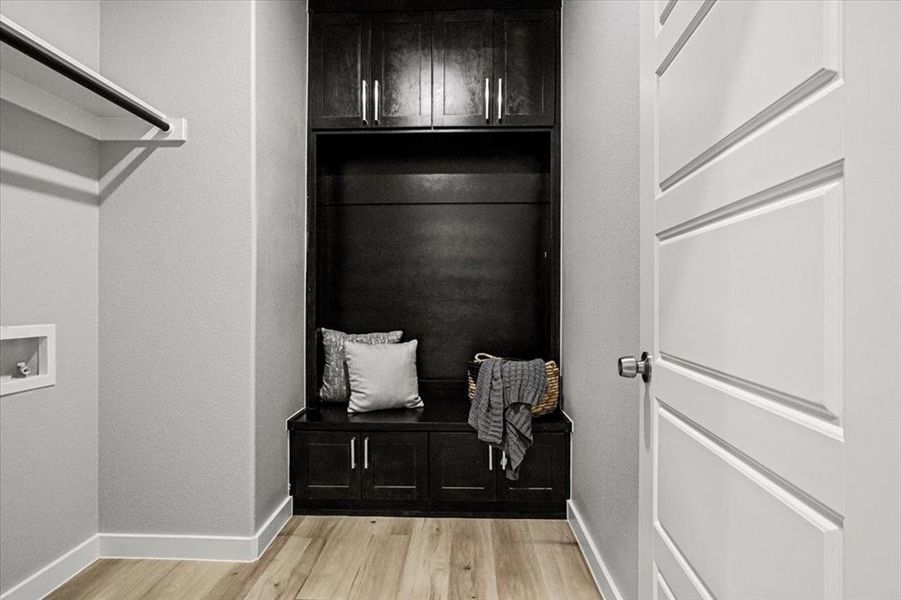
33,345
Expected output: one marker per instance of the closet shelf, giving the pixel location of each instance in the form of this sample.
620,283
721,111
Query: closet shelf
41,78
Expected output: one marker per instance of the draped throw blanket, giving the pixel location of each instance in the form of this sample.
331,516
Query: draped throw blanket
501,412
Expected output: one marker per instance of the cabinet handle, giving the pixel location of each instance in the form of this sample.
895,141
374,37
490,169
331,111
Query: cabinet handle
503,460
364,102
500,98
490,458
353,453
366,453
487,104
375,102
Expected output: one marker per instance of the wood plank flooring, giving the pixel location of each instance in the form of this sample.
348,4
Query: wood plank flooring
371,558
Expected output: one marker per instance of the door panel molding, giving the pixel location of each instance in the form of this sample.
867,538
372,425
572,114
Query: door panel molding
672,564
782,299
663,589
749,463
731,79
792,445
721,499
798,144
667,49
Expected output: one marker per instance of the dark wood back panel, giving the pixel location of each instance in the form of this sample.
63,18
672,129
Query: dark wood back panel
442,235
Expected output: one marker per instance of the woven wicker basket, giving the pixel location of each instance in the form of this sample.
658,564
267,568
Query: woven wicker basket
547,403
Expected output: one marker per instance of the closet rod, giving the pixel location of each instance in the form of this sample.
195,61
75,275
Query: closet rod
11,35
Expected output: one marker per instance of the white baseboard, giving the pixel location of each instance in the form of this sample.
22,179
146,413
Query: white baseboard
128,545
56,573
196,547
276,521
593,557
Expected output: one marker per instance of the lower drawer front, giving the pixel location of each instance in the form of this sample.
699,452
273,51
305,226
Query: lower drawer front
544,473
395,466
461,468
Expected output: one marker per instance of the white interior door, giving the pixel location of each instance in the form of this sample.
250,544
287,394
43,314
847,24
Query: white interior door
770,451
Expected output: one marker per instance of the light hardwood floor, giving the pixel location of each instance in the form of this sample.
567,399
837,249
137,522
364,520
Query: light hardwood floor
371,558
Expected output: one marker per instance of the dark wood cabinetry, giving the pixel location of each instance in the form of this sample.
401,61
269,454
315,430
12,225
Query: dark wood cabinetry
395,465
426,461
525,67
491,68
401,69
433,207
325,465
339,68
462,53
353,466
370,70
542,476
462,468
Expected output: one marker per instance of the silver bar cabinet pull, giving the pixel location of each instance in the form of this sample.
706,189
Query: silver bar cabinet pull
353,453
490,458
500,98
366,453
364,102
375,102
487,103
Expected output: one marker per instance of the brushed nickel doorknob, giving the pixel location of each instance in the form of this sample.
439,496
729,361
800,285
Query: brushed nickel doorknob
629,366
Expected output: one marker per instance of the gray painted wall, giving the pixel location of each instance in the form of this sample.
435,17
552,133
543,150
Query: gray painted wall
281,243
177,277
600,272
73,26
184,280
48,266
48,269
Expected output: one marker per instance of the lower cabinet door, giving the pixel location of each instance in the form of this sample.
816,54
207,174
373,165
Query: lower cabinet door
544,473
395,465
461,468
326,465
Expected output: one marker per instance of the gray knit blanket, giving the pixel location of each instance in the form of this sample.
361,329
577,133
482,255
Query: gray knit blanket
501,412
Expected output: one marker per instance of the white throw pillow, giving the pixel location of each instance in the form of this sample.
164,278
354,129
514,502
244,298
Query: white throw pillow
382,376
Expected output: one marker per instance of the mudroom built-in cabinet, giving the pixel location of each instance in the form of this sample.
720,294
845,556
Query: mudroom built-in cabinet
445,68
434,202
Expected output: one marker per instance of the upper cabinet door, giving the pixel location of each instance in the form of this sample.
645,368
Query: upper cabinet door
401,70
340,84
525,55
462,55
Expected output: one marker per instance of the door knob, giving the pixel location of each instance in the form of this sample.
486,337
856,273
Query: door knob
629,366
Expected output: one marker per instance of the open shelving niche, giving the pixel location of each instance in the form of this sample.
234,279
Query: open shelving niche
31,76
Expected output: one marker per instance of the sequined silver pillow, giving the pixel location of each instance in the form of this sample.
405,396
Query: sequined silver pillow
334,376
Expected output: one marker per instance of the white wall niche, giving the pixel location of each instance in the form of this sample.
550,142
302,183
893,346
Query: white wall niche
36,346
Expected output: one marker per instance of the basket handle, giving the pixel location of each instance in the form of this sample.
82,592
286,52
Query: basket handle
480,356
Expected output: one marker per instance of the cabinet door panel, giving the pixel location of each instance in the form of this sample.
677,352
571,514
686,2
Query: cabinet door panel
462,57
543,475
395,466
459,468
339,64
402,68
524,60
323,465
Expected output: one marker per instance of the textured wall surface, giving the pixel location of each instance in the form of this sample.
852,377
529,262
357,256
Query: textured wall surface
280,181
48,270
177,277
600,272
73,26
